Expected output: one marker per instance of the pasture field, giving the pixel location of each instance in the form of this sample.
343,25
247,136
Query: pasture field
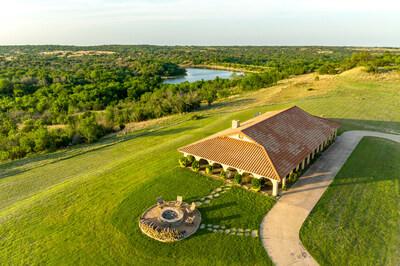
357,220
82,204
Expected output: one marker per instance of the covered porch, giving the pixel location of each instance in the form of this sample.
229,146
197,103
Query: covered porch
269,186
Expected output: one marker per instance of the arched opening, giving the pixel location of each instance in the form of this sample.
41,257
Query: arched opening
230,172
217,168
203,164
267,186
246,180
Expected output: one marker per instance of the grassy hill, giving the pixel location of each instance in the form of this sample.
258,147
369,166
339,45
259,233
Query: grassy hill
82,204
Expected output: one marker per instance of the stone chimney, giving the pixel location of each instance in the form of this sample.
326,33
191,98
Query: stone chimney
235,123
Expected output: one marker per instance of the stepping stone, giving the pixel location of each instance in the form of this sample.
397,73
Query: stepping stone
233,229
221,231
202,199
202,226
215,230
233,233
209,229
239,234
254,233
227,230
216,195
209,197
212,192
247,230
246,234
207,201
209,225
227,188
222,192
216,226
223,226
197,203
218,189
240,230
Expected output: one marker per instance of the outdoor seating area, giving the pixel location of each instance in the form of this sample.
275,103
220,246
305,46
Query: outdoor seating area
170,221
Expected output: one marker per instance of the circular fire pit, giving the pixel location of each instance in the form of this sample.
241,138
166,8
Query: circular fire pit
170,221
171,216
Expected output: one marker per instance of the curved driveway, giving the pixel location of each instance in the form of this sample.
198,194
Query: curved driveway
280,228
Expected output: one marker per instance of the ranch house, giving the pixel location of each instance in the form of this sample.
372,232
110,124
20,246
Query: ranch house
269,146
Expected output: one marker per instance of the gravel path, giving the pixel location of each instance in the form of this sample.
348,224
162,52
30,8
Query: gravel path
280,228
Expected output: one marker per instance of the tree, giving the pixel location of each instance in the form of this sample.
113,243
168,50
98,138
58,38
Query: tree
90,129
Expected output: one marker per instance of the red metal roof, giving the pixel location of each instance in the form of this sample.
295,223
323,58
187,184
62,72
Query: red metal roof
281,140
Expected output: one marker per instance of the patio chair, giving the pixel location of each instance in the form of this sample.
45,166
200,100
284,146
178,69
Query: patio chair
178,201
192,208
189,220
160,202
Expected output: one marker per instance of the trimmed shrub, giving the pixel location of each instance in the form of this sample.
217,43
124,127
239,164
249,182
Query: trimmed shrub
293,177
196,166
183,161
223,175
255,184
284,188
190,158
209,169
238,179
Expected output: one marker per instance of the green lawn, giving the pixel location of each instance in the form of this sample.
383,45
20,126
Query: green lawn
81,205
357,220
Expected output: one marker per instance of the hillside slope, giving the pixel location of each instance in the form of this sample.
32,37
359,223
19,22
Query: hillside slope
81,204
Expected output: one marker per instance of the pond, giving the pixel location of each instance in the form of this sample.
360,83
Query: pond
195,74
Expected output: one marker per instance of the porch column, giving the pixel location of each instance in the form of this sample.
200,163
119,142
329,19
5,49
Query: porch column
274,187
313,154
284,182
318,149
308,159
303,164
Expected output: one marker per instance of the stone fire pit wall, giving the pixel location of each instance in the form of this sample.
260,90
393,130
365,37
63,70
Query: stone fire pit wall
171,221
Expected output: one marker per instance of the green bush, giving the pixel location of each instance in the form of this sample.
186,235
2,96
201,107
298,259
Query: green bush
256,184
293,177
223,175
196,166
209,169
284,188
238,179
183,161
190,158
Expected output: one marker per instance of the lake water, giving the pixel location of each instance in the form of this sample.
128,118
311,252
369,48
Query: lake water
195,74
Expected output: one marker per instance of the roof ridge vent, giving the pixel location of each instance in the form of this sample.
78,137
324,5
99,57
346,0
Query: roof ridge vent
235,123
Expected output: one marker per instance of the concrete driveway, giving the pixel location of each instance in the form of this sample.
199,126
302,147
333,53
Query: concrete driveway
280,228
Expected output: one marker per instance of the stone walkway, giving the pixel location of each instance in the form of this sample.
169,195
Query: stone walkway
214,194
233,231
281,226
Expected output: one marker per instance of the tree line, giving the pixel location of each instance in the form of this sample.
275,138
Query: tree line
50,101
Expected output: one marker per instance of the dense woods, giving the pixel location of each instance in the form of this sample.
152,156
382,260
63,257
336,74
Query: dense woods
56,96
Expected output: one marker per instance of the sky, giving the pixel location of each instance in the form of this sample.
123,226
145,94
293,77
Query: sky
201,22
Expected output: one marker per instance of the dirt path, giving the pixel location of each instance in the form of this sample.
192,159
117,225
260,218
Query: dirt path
280,228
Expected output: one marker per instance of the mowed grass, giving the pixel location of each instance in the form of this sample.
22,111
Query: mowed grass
357,220
81,205
84,208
